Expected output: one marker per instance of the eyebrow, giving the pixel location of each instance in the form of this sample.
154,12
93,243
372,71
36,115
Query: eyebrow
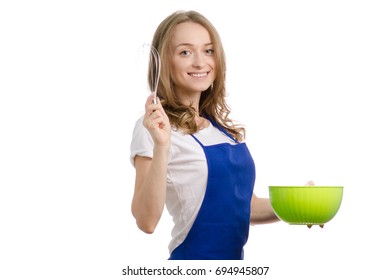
190,45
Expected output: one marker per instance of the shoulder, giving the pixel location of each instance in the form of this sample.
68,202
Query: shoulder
139,128
139,122
141,141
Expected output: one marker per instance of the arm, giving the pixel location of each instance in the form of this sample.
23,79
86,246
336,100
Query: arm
151,173
261,211
149,192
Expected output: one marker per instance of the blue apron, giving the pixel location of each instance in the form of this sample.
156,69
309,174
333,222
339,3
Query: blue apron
221,228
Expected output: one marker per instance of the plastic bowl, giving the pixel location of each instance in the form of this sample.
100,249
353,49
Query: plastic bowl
305,205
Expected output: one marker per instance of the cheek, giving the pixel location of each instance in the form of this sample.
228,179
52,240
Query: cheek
176,75
173,72
176,69
213,63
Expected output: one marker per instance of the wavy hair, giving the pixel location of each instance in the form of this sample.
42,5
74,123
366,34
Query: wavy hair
212,103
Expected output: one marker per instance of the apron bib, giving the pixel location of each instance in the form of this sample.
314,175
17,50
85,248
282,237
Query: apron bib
221,227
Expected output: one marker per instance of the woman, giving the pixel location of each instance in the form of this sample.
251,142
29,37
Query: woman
189,155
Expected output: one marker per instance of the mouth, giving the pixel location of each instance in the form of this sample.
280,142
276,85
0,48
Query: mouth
201,75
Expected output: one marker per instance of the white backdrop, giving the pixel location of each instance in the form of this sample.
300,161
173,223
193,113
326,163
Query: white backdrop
307,78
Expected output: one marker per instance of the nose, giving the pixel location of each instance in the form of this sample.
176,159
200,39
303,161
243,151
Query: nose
199,60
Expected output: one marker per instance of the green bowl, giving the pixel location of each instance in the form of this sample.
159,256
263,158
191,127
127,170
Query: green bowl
305,205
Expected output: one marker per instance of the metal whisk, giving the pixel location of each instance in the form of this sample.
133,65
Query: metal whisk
154,70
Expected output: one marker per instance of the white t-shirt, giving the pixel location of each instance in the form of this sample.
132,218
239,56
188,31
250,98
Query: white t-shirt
187,173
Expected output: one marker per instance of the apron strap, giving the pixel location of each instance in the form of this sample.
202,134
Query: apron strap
214,123
197,140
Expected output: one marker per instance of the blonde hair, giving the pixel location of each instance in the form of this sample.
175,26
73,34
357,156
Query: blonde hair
212,102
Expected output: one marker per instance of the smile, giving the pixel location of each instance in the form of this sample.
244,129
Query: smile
199,75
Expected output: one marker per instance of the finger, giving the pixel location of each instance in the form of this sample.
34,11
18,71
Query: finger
156,123
149,105
150,108
149,100
310,183
162,109
156,114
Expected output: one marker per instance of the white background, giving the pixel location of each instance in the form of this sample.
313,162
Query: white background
309,80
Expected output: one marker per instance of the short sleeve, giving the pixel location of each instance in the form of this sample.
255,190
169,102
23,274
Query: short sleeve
141,142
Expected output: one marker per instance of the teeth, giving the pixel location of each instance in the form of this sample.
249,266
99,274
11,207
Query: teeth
200,75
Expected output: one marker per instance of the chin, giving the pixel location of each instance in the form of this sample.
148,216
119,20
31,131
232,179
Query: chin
203,88
197,88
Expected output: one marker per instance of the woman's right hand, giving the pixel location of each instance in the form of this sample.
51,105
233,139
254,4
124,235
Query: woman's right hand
157,122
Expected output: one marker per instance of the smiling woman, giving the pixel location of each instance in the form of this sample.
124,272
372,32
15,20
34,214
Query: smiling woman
189,155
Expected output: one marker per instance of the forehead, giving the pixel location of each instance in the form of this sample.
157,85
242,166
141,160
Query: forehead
190,33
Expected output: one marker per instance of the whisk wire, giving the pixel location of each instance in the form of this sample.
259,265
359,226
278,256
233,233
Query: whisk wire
154,70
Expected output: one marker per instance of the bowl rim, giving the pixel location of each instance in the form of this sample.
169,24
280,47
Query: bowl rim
309,187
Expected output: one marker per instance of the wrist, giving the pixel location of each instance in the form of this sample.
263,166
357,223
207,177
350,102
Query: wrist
161,149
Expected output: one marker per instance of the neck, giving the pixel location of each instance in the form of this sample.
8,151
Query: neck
190,100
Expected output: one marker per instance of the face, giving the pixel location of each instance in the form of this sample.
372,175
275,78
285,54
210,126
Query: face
192,59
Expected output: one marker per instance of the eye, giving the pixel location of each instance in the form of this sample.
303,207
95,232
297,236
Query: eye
209,51
185,53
